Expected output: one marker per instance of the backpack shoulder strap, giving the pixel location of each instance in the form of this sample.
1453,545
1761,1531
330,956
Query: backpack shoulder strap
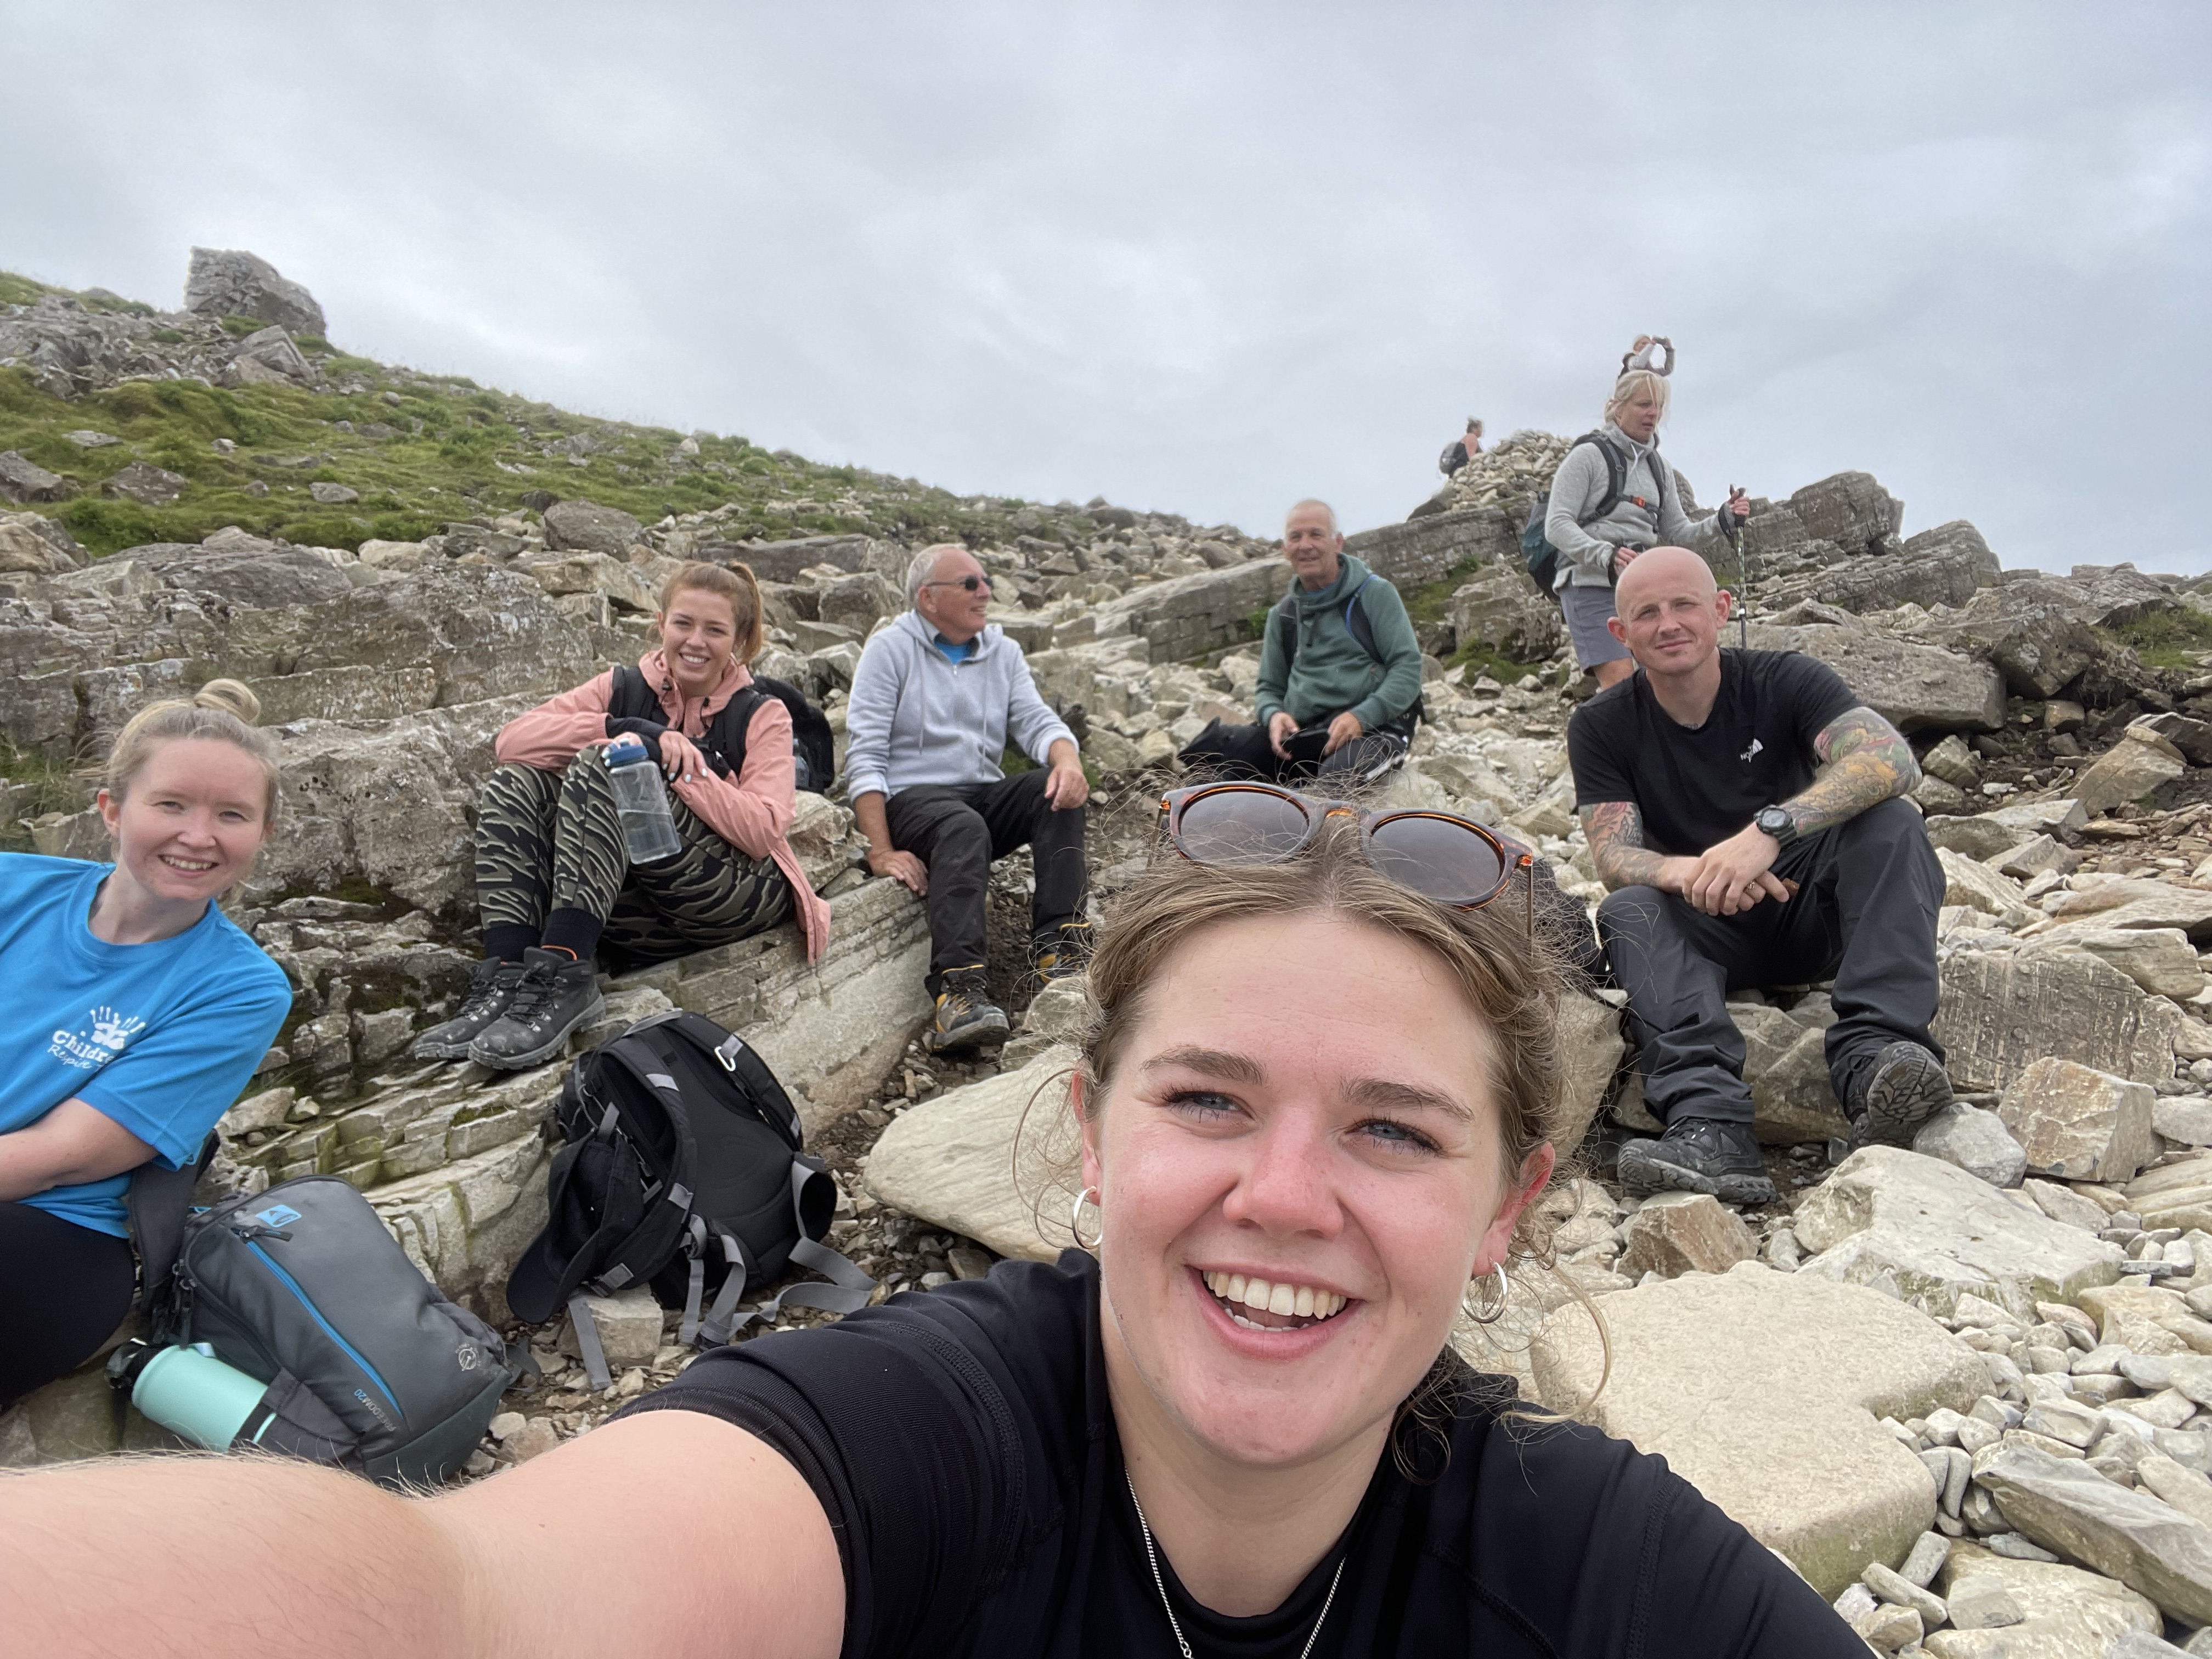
1616,475
1355,619
155,1206
1284,619
631,698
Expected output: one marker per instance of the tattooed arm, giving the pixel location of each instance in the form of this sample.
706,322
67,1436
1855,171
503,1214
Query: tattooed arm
1864,761
1615,829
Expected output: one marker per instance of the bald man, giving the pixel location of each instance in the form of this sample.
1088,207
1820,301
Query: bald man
1744,808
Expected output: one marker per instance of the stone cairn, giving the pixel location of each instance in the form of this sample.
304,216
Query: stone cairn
1965,1389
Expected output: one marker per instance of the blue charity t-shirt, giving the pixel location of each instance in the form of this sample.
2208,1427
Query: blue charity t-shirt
159,1038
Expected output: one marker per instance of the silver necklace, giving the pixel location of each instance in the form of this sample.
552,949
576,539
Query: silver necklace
1159,1583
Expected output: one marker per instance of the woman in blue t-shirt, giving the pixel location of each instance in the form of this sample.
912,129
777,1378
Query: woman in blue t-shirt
135,1012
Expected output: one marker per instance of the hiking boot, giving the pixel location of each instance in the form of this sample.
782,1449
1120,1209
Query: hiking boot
1063,952
966,1017
556,995
491,987
1891,1098
1699,1155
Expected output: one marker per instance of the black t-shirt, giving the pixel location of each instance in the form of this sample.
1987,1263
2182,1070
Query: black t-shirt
1697,787
961,1443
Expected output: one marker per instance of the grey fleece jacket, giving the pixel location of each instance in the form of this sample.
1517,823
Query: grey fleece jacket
1586,550
917,717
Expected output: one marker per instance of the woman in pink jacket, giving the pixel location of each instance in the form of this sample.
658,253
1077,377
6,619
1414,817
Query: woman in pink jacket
555,887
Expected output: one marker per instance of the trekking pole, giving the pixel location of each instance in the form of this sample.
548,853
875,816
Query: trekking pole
1732,527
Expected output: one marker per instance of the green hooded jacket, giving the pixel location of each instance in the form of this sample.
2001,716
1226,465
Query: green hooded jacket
1331,673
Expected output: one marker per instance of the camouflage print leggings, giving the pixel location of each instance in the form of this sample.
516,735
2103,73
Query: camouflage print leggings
552,840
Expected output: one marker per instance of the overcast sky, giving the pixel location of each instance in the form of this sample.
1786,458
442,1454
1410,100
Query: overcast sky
1208,259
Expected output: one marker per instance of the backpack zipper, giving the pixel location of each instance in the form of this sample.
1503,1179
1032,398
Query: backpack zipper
329,1330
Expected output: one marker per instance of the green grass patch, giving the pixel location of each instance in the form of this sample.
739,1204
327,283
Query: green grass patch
1431,601
456,465
2167,638
1478,658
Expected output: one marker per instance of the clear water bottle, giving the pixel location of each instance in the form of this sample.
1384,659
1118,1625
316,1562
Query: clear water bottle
641,797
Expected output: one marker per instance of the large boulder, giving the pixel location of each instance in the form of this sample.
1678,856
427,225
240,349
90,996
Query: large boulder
1502,611
1764,1390
1943,566
150,485
2131,769
2003,1010
1185,616
232,282
952,1160
588,528
2146,1544
23,480
2080,1124
832,1031
1852,510
1928,1232
2066,1613
1915,687
269,357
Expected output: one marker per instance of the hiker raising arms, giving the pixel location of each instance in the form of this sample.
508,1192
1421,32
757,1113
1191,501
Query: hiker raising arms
1596,542
555,884
131,1013
1314,1108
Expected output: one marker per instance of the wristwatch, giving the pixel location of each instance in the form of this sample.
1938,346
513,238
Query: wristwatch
1778,823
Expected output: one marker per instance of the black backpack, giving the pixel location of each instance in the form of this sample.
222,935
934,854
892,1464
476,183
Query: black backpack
1284,622
1536,550
369,1366
813,746
685,1170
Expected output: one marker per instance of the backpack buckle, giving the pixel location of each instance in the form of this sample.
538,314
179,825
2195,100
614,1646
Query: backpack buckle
727,1053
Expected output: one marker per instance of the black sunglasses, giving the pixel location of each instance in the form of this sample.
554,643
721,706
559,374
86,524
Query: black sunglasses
969,582
1452,860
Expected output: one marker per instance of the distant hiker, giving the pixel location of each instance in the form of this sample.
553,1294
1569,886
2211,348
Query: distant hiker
555,885
1339,670
1743,807
940,695
1463,449
133,1013
1612,497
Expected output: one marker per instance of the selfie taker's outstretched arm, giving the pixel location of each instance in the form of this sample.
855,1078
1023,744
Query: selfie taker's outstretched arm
670,1533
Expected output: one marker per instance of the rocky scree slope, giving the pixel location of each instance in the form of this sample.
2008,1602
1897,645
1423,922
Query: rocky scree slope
2023,1286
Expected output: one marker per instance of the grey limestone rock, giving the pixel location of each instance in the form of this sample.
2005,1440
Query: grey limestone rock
1975,1140
232,282
586,526
2143,1542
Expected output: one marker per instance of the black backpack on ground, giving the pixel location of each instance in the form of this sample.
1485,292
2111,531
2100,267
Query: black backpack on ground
1284,622
684,1169
369,1366
813,746
1536,550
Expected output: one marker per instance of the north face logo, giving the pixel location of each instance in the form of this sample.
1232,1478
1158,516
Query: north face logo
1756,745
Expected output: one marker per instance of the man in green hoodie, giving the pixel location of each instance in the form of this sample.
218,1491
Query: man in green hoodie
1339,670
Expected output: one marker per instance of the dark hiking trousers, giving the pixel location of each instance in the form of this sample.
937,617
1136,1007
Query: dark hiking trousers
1243,752
65,1291
957,828
552,841
1865,914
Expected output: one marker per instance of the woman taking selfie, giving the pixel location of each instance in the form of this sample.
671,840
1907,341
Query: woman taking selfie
1314,1108
131,1013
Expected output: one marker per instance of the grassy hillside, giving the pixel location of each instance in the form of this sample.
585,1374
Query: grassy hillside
423,450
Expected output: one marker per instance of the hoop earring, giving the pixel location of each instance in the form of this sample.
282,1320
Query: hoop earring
1075,1219
1505,1292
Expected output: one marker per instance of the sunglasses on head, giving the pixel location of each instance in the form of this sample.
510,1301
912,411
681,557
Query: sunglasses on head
970,582
1452,860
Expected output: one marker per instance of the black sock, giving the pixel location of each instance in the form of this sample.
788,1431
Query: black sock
576,932
506,941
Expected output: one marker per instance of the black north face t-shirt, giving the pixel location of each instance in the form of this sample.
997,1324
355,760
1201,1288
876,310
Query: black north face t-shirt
1698,788
964,1447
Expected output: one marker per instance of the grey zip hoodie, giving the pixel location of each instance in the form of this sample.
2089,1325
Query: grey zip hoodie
1586,550
916,717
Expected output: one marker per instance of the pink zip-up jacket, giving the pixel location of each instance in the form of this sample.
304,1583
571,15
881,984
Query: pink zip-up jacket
752,812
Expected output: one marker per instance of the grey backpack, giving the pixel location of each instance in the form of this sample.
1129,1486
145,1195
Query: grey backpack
369,1366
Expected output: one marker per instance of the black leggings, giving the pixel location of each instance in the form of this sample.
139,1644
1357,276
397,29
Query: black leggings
64,1289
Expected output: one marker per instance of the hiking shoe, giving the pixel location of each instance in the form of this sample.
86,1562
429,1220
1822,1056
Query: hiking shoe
1065,952
556,995
491,987
1904,1087
1699,1155
966,1017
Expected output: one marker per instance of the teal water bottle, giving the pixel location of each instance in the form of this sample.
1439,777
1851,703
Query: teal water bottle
189,1392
